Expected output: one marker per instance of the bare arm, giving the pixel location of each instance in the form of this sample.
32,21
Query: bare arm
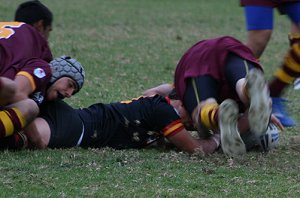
23,88
27,108
163,90
7,90
186,142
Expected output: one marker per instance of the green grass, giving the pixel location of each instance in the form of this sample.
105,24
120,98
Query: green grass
127,46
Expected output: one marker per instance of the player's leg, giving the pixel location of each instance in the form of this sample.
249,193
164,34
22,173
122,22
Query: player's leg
294,36
284,76
292,10
38,133
236,70
15,141
251,88
259,23
200,101
17,116
231,141
277,84
13,119
231,124
260,108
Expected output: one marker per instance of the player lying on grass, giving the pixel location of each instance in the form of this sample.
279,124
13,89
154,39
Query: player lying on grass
122,125
217,80
129,124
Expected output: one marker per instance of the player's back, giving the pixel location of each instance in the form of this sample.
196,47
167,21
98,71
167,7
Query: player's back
126,124
20,42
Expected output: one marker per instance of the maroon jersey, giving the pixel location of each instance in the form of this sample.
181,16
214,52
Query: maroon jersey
24,51
208,57
269,3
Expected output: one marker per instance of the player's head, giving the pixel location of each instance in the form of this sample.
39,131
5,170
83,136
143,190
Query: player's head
67,78
36,14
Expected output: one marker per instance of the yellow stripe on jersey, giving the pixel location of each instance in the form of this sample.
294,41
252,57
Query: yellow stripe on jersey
29,77
173,127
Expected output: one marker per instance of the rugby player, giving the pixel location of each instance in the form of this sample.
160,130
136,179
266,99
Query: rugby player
24,59
134,123
223,71
259,21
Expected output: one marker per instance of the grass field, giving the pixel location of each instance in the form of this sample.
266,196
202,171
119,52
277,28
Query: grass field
127,46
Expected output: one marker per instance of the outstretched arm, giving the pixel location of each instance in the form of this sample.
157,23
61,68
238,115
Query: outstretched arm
163,90
186,142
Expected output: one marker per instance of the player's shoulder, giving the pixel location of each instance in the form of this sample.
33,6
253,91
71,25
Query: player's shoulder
158,100
57,105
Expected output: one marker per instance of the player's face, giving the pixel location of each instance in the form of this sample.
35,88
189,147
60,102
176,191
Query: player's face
64,87
46,31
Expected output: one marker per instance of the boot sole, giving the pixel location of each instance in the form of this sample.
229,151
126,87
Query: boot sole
231,141
260,106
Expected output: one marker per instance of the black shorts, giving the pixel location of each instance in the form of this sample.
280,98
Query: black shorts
208,87
65,124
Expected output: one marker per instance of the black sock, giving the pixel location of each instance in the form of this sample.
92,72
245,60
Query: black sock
16,141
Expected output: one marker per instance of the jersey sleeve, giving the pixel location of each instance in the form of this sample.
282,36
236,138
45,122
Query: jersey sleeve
167,120
38,72
172,128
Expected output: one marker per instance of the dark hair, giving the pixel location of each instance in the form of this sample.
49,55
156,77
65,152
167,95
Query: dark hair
31,12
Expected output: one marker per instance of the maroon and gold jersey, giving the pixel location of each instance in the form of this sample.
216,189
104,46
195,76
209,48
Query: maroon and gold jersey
24,51
208,57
